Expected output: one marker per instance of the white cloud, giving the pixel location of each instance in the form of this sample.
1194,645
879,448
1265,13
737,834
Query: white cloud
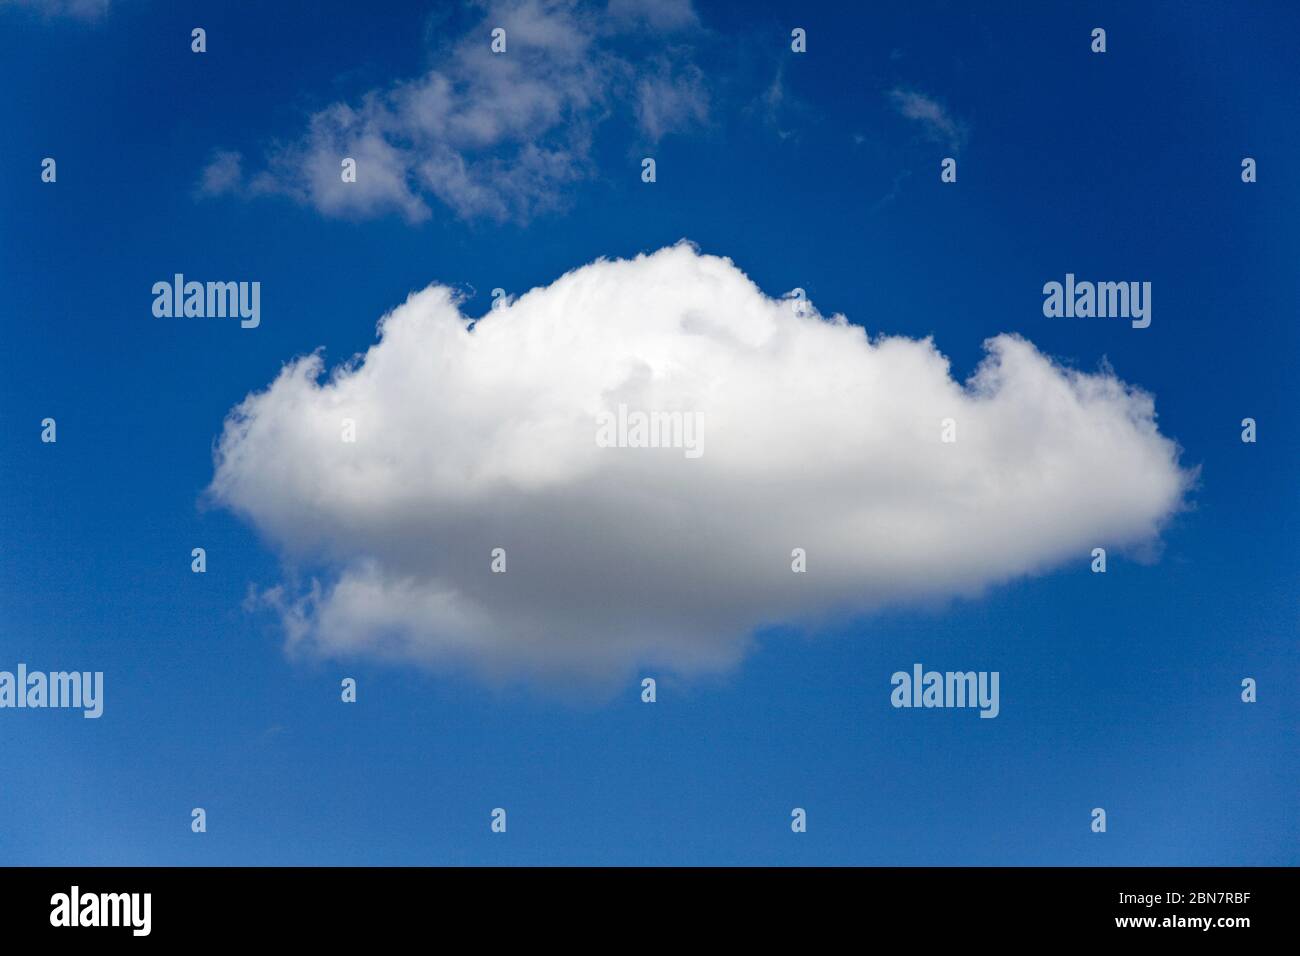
935,120
477,435
493,135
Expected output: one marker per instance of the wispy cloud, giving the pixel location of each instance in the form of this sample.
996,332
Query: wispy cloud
497,136
656,14
669,99
778,108
223,173
935,120
78,9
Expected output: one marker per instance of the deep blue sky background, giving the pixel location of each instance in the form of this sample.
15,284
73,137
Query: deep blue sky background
1119,691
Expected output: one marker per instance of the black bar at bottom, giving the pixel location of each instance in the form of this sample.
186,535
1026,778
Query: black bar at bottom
654,906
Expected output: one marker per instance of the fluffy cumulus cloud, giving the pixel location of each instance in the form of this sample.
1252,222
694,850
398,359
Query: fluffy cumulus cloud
472,435
491,135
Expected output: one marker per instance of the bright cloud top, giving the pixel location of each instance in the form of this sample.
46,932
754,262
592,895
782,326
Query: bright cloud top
475,435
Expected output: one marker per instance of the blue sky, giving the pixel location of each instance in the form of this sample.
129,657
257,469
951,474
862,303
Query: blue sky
1119,691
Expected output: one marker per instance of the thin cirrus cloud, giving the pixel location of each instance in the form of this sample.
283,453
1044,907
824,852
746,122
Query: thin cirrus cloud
76,9
485,135
472,435
933,117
